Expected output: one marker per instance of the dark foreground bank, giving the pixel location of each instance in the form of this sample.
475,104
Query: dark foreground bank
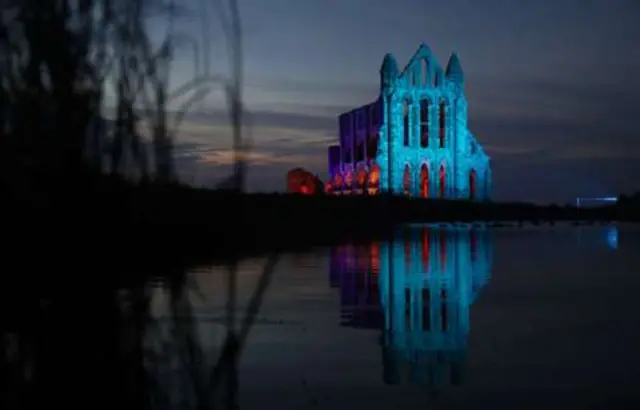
152,219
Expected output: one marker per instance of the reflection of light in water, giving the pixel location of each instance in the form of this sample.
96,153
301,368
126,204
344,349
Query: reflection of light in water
418,290
612,237
592,236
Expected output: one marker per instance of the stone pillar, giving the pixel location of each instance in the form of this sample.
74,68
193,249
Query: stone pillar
434,124
462,152
396,160
384,146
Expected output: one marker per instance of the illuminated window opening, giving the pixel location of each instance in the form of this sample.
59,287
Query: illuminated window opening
443,182
407,180
361,181
424,181
338,184
373,185
348,182
424,123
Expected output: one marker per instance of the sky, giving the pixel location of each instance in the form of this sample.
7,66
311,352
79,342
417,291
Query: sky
553,85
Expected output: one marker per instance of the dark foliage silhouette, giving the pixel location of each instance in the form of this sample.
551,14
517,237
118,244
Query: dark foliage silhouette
74,334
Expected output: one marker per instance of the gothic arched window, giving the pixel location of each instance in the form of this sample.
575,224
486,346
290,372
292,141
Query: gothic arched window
424,123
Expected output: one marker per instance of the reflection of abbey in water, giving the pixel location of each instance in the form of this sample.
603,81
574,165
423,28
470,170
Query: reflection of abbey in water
418,289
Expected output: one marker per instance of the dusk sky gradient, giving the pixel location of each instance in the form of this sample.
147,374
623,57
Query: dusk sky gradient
553,86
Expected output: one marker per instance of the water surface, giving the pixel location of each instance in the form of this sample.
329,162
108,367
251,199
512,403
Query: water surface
509,318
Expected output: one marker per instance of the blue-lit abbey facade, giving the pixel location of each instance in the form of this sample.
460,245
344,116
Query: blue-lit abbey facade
417,289
414,138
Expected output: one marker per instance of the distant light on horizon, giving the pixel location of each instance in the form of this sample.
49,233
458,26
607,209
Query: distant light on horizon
582,200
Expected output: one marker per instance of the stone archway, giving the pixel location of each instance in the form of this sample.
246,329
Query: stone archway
442,123
407,180
348,182
442,179
373,183
424,181
338,184
361,180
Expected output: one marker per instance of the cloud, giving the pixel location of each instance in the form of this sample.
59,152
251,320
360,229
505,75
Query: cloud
271,117
556,117
281,141
596,152
257,158
221,136
496,151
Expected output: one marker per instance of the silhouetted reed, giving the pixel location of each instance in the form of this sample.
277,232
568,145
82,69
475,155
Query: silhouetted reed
74,332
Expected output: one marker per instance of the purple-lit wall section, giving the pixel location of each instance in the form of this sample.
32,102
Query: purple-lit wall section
334,159
359,133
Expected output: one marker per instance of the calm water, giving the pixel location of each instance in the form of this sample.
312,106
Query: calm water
447,318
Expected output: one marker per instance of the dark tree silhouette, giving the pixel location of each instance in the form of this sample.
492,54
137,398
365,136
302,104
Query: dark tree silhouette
84,92
64,63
